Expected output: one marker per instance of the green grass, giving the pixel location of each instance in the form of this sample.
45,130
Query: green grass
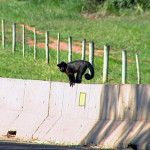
15,66
130,32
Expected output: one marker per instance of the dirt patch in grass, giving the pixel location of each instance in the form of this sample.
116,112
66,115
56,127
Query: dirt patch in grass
76,46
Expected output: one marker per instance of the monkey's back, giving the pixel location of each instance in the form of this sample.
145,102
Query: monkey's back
77,65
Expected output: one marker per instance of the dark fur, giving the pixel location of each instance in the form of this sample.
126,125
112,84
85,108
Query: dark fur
79,67
133,146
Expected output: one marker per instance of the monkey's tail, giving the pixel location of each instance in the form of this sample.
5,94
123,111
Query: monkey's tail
91,75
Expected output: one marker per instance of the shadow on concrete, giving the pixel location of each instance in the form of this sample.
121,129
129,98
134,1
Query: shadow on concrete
124,120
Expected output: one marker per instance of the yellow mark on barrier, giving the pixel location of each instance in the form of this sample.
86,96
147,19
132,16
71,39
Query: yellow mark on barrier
82,99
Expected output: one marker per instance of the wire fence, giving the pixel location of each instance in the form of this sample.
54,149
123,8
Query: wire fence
21,36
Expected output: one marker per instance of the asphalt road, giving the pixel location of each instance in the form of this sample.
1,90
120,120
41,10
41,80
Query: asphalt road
4,145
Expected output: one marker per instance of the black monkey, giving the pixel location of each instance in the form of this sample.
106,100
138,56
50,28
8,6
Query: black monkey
79,67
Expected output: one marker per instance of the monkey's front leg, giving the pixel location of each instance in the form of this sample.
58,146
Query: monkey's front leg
72,79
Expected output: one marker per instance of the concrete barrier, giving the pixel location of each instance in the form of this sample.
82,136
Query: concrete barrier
55,111
35,109
108,115
124,117
11,102
74,123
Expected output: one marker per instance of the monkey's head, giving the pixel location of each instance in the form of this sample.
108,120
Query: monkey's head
62,66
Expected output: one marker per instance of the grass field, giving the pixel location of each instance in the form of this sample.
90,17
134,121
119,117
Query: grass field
130,32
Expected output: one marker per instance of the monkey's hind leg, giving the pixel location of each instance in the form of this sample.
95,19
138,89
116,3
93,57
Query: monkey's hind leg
78,78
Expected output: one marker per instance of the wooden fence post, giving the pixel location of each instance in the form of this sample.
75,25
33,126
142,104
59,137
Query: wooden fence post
138,69
34,43
3,34
58,51
106,63
83,49
23,39
91,53
124,66
47,47
14,38
70,49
